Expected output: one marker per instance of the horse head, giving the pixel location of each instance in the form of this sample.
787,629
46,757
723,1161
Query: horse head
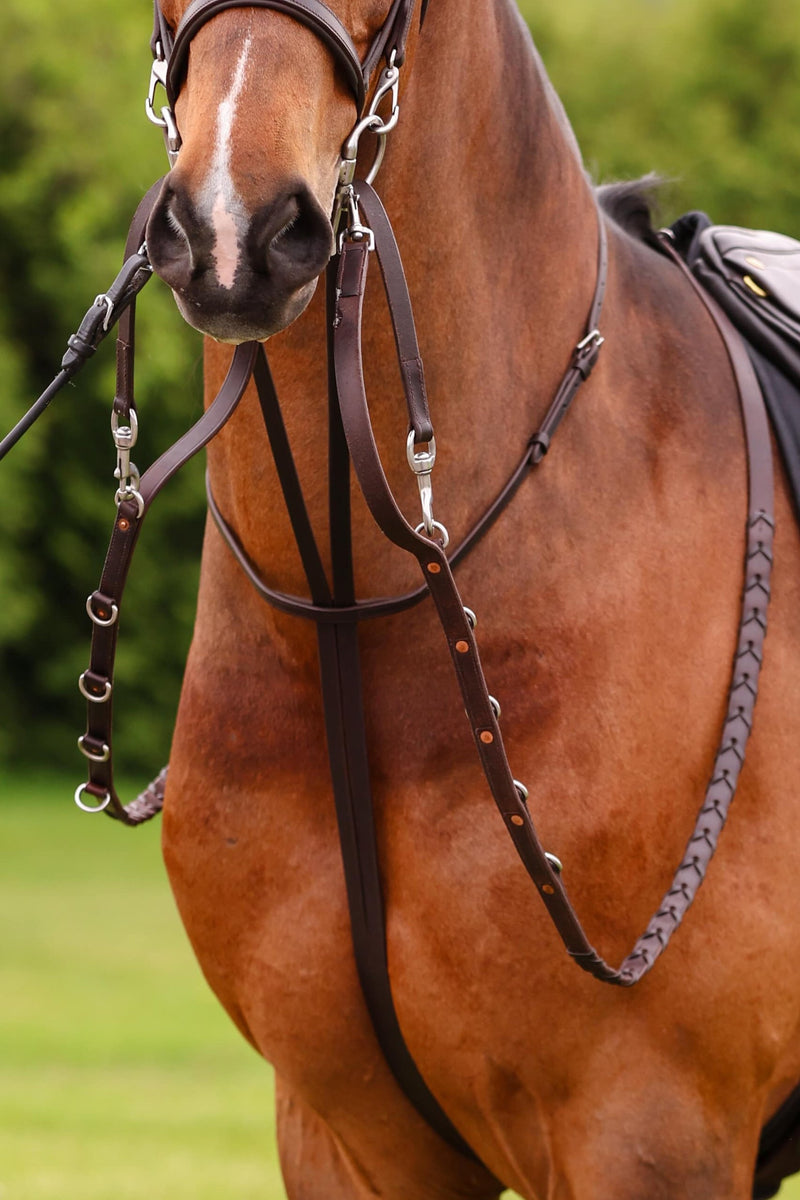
263,103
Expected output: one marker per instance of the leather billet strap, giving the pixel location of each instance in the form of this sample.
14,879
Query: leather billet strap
391,39
405,334
463,648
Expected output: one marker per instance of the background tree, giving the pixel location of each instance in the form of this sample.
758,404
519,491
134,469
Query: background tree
706,94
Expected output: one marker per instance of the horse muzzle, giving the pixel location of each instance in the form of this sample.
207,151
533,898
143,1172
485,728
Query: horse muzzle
239,276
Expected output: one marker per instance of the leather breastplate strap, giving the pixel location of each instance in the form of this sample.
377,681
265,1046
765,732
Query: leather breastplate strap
464,652
336,613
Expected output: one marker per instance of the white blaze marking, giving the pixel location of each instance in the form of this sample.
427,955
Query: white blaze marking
226,205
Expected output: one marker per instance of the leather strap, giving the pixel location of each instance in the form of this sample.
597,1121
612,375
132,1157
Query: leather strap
391,39
405,334
464,652
345,727
312,13
104,604
115,305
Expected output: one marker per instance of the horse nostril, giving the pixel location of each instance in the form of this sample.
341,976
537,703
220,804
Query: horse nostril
282,233
291,239
176,242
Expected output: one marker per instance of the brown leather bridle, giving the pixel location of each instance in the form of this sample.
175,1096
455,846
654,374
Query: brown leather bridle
333,605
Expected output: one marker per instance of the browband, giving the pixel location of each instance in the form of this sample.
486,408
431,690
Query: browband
173,48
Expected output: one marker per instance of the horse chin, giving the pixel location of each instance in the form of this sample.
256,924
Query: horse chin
231,321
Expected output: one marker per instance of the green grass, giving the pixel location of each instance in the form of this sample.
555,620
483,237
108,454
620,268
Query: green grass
120,1076
119,1073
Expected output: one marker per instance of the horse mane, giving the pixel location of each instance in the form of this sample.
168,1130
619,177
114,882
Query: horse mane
632,204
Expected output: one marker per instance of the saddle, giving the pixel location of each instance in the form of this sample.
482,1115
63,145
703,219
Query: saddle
755,278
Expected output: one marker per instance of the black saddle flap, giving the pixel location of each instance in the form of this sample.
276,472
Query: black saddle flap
755,277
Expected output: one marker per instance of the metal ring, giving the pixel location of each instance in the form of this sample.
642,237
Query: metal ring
102,757
436,525
87,807
125,436
421,462
97,620
555,863
470,615
523,791
94,699
495,706
130,494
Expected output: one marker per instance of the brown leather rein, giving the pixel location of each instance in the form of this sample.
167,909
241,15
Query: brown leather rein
333,605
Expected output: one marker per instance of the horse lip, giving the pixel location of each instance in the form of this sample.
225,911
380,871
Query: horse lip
246,321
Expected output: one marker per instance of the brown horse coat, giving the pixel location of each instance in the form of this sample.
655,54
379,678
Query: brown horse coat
608,600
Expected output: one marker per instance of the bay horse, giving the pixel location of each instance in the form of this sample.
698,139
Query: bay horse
608,595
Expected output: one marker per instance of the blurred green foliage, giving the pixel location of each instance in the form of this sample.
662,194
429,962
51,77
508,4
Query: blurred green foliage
706,94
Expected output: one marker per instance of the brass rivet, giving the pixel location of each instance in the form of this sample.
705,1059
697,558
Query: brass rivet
124,524
487,736
462,647
517,821
434,568
548,889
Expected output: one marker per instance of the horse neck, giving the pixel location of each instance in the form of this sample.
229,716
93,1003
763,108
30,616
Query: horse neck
498,234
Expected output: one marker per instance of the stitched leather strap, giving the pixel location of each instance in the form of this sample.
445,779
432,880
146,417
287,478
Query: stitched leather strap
405,334
391,39
582,362
488,739
312,13
105,603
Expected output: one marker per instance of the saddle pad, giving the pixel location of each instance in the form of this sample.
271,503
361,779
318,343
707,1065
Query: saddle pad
755,278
